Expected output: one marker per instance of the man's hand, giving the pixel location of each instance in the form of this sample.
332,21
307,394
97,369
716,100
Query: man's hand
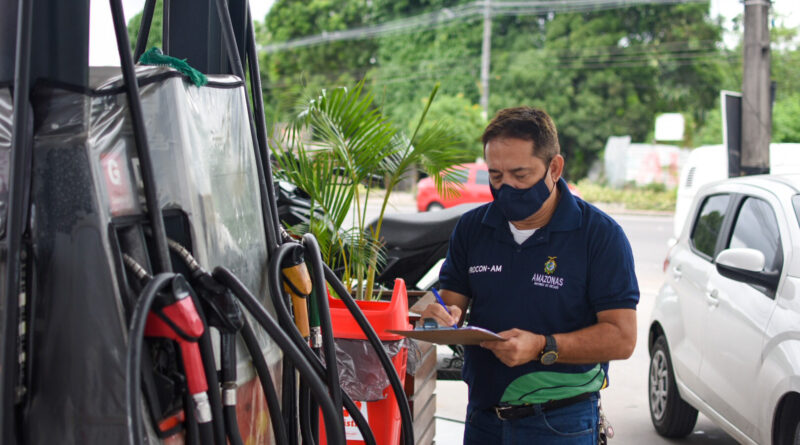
437,312
520,347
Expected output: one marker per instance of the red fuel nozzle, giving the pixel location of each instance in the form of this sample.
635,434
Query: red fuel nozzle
175,317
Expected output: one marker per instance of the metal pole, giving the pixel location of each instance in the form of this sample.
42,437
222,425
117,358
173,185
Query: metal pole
486,56
162,260
19,180
756,114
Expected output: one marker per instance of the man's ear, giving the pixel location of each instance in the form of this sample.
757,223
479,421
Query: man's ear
556,167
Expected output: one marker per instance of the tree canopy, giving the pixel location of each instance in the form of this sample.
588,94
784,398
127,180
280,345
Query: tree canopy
599,73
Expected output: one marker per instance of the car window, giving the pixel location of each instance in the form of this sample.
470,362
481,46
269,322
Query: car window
757,228
482,177
796,205
459,175
708,224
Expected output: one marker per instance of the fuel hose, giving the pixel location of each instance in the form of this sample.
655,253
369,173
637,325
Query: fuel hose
334,428
133,358
228,356
394,379
266,382
265,377
332,376
227,348
283,314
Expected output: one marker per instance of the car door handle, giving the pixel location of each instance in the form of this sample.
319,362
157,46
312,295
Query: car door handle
712,296
677,273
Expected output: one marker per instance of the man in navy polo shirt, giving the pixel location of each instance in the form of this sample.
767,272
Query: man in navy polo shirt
554,276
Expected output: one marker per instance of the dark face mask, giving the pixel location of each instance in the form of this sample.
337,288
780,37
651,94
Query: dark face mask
518,204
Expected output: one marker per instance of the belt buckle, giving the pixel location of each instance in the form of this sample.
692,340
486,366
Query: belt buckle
500,410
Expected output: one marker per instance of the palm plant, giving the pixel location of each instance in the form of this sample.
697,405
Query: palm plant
354,143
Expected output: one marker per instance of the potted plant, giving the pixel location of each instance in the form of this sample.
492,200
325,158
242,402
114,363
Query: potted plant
356,154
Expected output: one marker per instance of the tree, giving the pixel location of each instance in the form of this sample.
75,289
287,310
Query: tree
408,65
464,120
155,36
610,72
288,73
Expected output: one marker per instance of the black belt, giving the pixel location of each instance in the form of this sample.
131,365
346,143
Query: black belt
510,412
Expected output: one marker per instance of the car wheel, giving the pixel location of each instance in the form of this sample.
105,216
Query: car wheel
797,434
434,206
671,415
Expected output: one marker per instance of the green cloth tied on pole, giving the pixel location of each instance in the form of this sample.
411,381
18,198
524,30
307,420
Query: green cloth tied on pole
154,56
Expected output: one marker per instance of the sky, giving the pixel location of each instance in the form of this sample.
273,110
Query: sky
103,49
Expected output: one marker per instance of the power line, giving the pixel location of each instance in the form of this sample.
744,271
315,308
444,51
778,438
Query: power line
573,59
462,13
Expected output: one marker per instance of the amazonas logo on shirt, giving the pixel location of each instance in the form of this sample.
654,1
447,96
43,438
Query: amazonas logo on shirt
548,279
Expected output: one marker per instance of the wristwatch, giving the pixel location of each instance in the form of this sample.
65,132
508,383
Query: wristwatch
549,353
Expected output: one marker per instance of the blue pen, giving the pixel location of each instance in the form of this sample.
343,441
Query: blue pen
439,299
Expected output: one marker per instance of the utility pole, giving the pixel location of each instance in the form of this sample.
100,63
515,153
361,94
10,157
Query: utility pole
486,56
756,100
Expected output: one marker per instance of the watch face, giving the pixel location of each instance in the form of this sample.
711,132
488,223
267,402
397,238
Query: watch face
549,357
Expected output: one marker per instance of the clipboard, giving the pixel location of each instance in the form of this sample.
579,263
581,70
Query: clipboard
468,335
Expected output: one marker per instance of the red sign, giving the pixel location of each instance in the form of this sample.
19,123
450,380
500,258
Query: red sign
121,199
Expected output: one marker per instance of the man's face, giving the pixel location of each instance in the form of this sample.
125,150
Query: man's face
511,162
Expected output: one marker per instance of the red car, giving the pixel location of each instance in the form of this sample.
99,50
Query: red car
474,187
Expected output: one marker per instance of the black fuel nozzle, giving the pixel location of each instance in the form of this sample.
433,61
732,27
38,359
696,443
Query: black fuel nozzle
218,303
221,308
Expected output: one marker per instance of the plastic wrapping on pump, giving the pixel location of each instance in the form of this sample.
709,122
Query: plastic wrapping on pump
86,182
360,371
6,115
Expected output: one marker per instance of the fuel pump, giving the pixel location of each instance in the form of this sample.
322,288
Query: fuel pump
105,197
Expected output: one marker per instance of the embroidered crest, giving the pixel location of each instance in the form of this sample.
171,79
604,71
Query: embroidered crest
550,265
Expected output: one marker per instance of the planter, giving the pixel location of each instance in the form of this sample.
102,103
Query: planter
379,406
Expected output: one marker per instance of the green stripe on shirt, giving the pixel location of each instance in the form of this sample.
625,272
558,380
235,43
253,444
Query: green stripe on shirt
543,386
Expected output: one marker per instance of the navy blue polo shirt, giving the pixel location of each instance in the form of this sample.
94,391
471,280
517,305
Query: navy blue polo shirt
557,281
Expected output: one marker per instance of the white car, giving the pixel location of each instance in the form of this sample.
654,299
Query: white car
725,330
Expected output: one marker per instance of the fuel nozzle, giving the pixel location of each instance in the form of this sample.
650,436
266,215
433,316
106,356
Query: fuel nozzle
297,282
174,316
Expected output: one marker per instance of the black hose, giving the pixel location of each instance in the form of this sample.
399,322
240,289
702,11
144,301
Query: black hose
306,427
227,349
324,311
133,359
144,29
232,425
331,374
162,261
289,403
192,428
351,407
165,26
207,433
258,113
283,313
394,379
269,208
281,302
334,429
210,368
265,377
